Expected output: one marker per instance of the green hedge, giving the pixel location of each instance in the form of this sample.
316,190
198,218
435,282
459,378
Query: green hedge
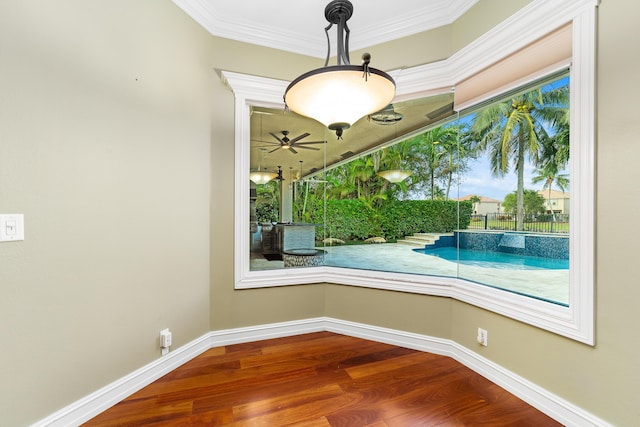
405,217
346,219
354,220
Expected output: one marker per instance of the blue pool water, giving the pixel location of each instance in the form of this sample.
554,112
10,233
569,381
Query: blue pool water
490,259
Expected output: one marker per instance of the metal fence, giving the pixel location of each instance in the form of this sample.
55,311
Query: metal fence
539,223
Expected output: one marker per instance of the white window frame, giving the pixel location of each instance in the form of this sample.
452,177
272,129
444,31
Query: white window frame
528,25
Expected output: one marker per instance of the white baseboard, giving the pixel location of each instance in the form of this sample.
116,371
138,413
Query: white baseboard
95,403
89,406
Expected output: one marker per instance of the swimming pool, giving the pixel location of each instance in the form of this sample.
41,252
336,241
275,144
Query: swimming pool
497,260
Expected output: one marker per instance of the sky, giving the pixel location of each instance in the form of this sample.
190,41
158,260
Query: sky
481,182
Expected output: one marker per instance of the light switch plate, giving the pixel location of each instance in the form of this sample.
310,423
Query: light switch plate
11,227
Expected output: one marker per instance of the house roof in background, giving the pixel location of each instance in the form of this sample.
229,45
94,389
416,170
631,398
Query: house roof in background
482,199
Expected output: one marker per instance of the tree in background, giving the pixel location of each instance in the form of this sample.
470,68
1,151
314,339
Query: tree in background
268,201
429,154
457,153
554,159
548,174
435,159
533,203
475,200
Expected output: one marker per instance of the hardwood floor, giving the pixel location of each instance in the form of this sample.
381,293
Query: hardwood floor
318,380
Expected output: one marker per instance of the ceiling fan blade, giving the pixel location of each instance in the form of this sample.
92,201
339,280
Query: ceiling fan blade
307,148
299,137
311,142
277,137
293,150
275,149
265,142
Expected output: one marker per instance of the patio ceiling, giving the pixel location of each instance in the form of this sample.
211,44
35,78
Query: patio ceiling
363,137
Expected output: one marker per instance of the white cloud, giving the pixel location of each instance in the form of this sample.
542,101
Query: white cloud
479,180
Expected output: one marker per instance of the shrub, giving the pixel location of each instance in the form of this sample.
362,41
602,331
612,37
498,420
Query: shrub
348,219
352,219
266,212
405,217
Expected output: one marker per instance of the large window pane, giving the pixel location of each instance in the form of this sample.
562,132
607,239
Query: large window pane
326,191
289,147
519,184
456,213
482,197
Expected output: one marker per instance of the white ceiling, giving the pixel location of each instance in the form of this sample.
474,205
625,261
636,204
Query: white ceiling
298,25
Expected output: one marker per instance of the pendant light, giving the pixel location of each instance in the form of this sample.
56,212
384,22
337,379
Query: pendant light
339,95
260,176
386,117
395,175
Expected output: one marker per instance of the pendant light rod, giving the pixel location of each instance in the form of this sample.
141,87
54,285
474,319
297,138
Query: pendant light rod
338,12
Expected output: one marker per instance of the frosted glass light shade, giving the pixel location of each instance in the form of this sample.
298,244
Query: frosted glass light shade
262,177
338,96
395,175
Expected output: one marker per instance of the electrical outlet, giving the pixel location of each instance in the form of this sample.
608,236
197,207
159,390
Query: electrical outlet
165,341
483,337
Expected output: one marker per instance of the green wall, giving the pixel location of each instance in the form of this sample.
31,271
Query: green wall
116,142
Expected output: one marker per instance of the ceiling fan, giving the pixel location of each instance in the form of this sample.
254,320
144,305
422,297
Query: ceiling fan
289,144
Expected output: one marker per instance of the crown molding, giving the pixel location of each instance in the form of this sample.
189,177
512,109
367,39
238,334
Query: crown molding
223,22
410,22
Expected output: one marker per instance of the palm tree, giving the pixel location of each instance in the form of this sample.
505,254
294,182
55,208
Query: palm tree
357,180
430,152
457,153
548,174
512,131
341,184
554,155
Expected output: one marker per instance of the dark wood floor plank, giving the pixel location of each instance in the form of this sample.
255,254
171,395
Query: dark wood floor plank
377,424
304,412
214,418
322,350
455,390
230,378
318,422
140,413
256,392
318,380
385,366
286,402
